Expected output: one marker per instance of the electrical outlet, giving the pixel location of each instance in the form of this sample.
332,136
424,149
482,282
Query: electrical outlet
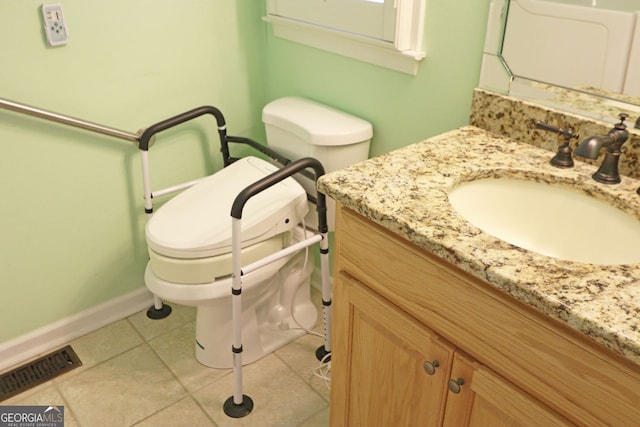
54,24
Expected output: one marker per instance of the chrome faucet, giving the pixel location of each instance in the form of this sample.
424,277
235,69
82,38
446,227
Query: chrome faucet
613,140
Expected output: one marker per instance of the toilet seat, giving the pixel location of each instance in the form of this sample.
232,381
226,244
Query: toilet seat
196,271
201,294
189,238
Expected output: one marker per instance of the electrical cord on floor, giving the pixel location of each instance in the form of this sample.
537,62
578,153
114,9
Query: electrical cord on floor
323,370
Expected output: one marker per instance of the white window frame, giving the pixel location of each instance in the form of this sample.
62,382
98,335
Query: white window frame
403,53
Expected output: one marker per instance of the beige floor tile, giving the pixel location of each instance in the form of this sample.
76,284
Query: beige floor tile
150,328
280,397
103,344
321,419
185,413
124,381
122,390
176,349
301,358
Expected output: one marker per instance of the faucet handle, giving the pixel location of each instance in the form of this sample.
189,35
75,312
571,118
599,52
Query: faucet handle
545,126
623,117
563,158
567,133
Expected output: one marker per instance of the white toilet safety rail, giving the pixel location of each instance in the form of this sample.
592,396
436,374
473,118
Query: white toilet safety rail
145,139
159,310
239,404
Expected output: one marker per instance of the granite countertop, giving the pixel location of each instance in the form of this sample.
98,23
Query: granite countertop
406,190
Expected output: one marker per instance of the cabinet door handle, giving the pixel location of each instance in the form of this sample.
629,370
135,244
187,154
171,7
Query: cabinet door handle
454,385
430,367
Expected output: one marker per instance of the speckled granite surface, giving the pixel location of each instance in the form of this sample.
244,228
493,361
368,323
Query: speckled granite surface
514,117
406,191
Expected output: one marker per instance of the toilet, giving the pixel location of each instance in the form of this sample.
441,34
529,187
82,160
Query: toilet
297,127
189,237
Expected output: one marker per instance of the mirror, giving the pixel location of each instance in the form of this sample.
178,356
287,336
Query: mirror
581,56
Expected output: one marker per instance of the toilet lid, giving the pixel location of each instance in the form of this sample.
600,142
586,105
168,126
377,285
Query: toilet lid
197,222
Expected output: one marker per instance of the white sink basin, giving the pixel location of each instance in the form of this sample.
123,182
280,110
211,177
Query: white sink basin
550,220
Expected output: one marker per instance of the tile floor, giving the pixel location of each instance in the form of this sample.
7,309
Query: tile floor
141,372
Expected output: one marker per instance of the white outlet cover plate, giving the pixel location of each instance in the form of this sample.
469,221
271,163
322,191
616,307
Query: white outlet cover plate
55,26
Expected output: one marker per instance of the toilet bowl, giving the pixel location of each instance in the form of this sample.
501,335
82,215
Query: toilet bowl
189,237
189,245
276,308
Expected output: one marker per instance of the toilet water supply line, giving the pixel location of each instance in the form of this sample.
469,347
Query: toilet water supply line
239,404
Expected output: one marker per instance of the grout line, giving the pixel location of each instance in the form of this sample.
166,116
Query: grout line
302,424
189,394
65,401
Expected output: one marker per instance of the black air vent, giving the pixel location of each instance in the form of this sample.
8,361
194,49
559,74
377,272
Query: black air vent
37,372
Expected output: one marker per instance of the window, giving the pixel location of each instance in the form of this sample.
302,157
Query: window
383,32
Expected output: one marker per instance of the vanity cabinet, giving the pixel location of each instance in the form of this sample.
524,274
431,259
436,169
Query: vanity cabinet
396,369
406,323
479,398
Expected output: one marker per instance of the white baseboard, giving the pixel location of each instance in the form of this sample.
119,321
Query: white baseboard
55,335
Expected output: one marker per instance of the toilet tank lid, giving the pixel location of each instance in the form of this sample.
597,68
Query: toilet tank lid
316,123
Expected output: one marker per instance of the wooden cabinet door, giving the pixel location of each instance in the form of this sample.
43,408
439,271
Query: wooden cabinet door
382,363
484,399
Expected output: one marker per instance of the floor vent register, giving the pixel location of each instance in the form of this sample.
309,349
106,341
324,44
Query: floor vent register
37,372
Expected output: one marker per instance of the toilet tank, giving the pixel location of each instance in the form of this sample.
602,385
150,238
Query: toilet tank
298,127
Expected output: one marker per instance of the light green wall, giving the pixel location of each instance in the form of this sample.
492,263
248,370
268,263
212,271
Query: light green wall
72,225
402,108
72,222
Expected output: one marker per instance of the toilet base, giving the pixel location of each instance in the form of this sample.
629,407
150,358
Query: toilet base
269,295
267,323
257,341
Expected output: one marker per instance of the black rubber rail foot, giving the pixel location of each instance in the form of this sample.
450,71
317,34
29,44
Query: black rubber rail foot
322,354
234,410
155,314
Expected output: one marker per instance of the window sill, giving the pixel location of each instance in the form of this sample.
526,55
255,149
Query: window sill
361,48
